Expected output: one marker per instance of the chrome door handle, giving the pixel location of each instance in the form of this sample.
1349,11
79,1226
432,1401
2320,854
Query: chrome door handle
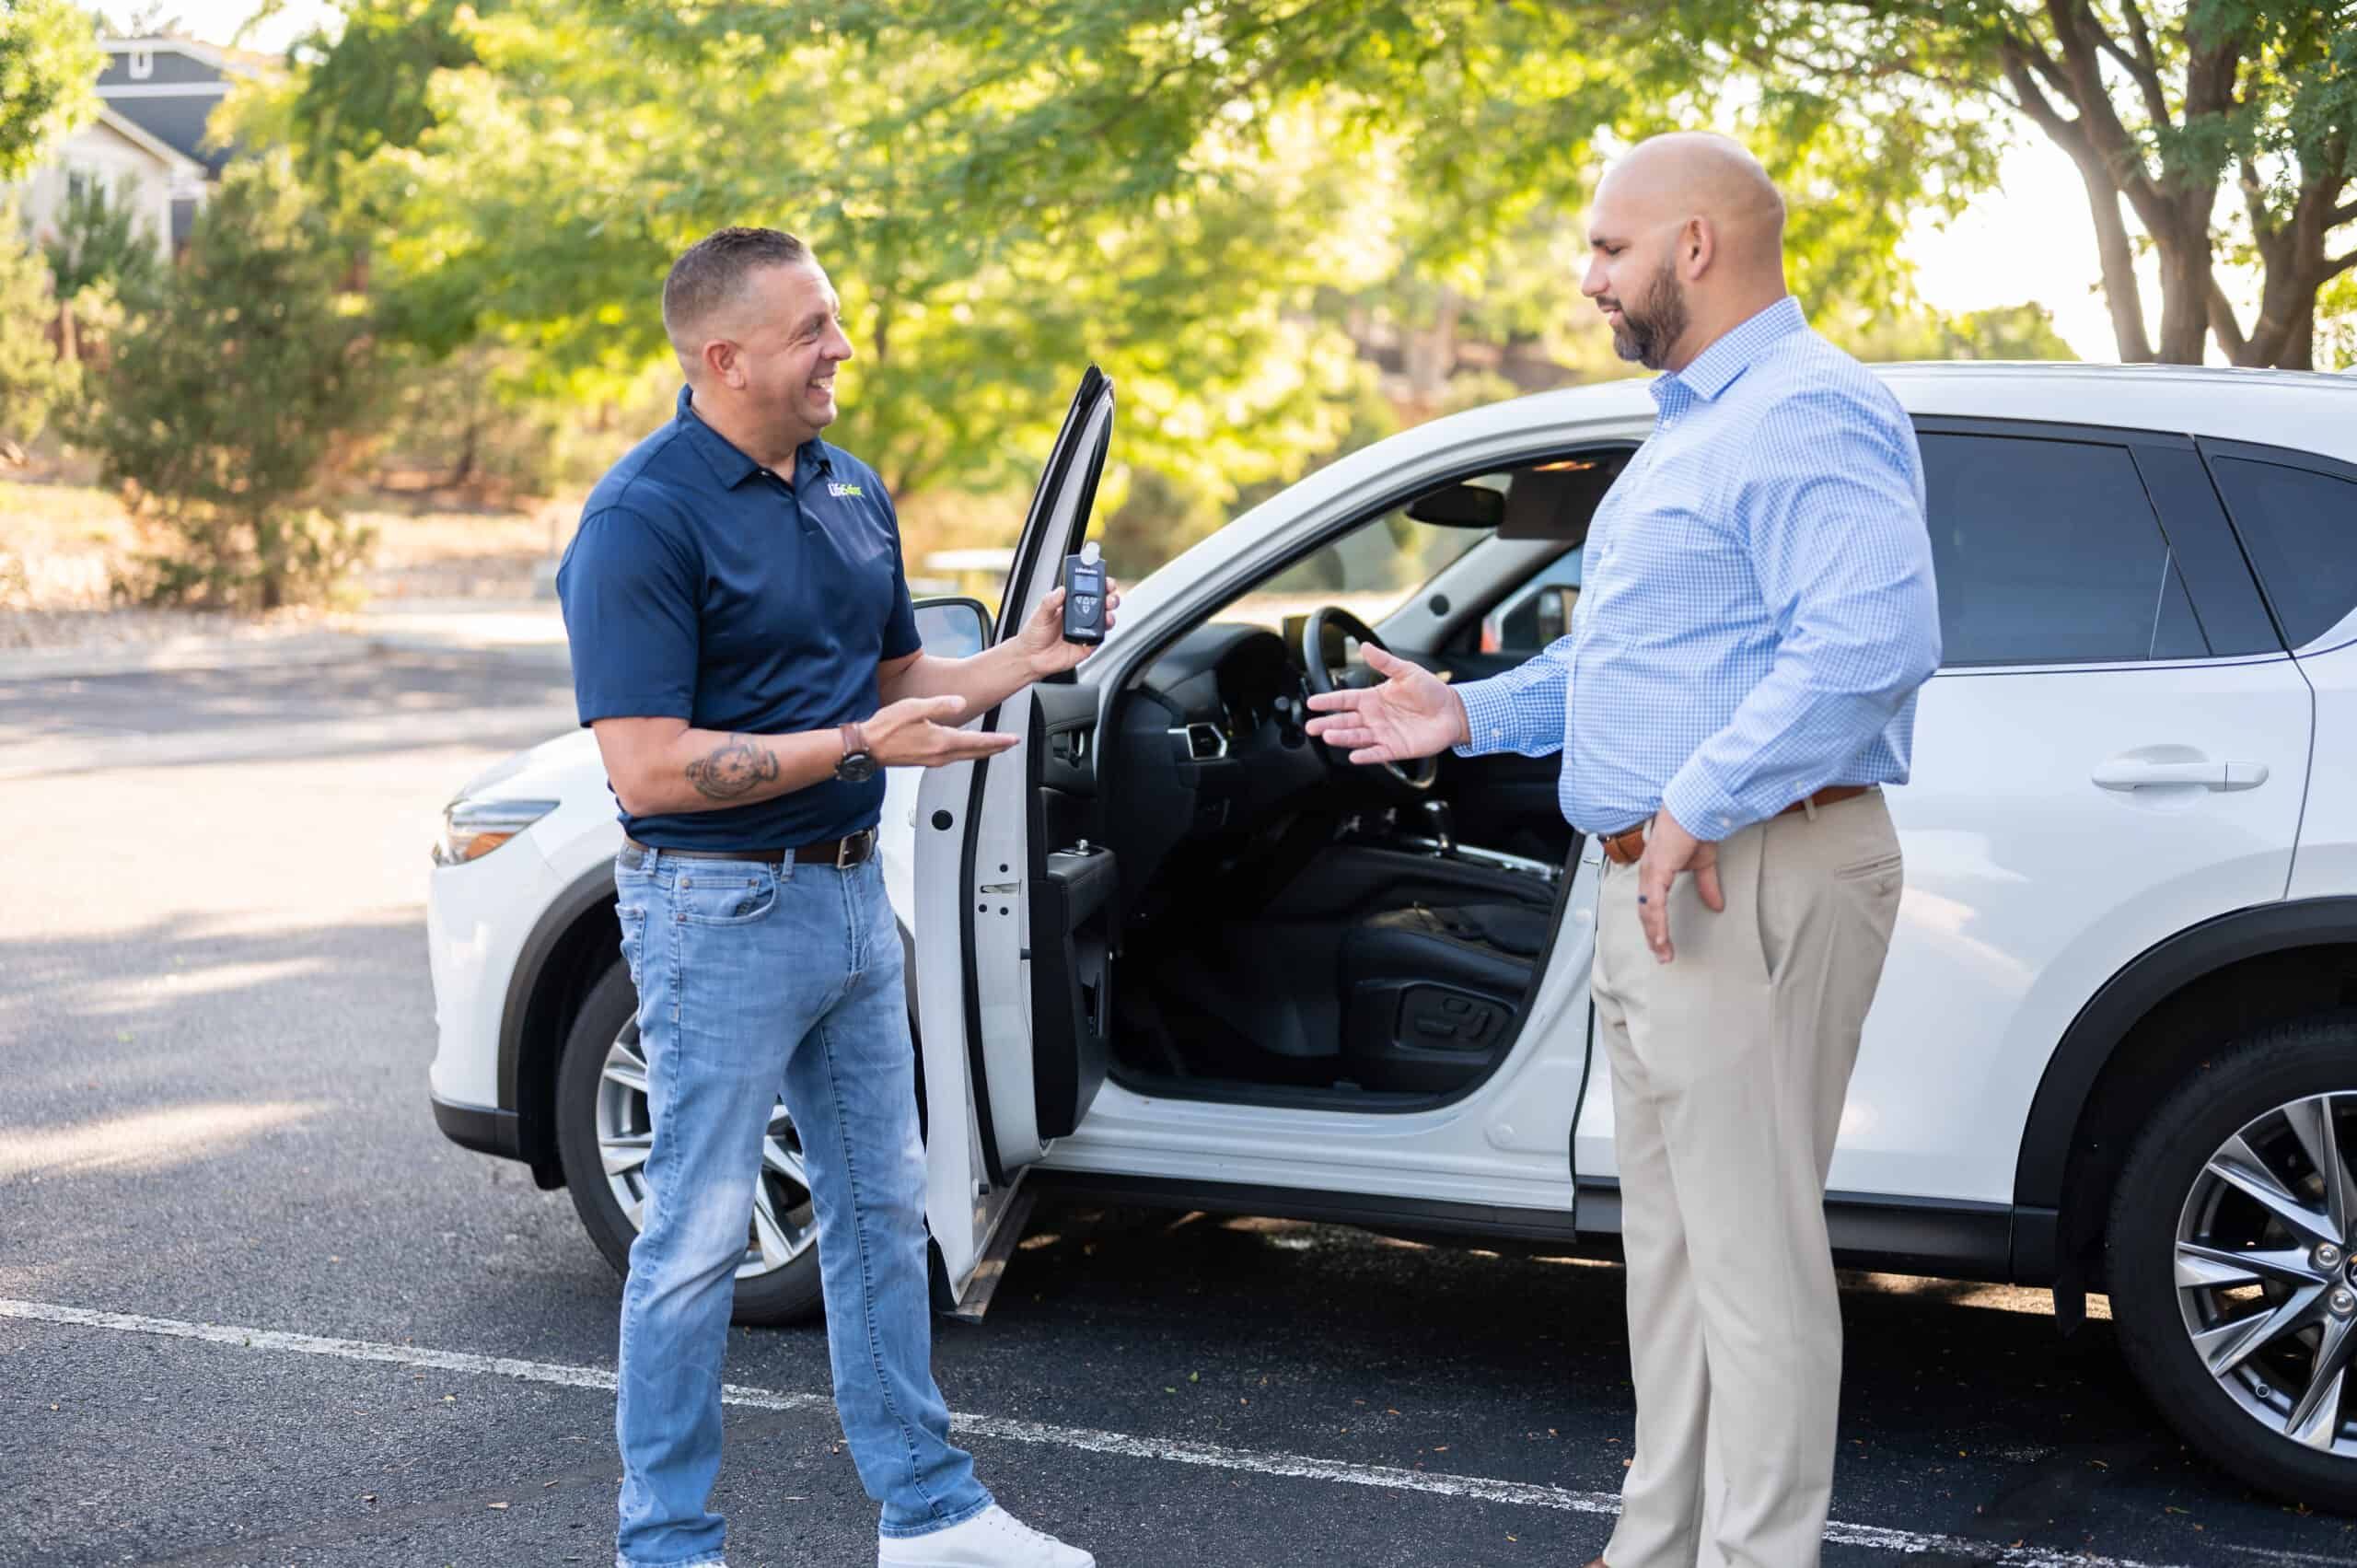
2131,774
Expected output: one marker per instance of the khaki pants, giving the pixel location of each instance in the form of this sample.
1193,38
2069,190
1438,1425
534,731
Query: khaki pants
1729,1069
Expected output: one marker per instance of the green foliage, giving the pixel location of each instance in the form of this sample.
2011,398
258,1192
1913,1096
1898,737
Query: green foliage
34,380
2226,127
224,398
100,238
2013,331
50,62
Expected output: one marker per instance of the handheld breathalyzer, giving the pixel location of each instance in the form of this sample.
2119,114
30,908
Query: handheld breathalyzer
1085,596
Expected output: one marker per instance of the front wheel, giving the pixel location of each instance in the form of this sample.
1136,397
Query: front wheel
2231,1277
604,1135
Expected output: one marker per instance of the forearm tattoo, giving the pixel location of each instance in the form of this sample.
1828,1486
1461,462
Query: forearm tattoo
737,767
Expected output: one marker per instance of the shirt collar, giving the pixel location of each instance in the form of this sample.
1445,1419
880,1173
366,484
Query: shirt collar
729,463
1716,368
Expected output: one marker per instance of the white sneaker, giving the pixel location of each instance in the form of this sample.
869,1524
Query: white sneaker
991,1538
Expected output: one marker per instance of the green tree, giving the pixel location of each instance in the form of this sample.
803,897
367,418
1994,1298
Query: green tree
2165,107
226,392
100,238
34,380
49,71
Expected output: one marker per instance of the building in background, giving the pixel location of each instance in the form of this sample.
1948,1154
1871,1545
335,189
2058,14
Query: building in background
131,163
149,142
168,87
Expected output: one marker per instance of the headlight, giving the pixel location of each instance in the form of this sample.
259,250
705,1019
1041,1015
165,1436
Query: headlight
473,829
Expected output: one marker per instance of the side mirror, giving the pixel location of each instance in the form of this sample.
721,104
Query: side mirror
1460,506
953,628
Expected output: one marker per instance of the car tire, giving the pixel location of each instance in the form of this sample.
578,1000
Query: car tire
596,1101
2226,1348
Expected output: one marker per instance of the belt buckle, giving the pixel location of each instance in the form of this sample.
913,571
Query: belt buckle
845,848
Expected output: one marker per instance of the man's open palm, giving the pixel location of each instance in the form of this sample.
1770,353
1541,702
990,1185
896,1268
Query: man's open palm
1413,714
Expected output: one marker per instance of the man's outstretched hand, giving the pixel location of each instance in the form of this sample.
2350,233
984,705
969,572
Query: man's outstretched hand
1413,714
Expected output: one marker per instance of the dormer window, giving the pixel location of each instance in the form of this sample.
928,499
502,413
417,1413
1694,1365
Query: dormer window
143,65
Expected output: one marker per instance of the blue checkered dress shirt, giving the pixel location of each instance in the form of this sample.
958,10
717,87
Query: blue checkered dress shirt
1756,609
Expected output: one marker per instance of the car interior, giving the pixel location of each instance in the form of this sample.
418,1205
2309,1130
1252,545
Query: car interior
1290,927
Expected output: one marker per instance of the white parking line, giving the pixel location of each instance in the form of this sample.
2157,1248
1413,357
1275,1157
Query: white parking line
1383,1476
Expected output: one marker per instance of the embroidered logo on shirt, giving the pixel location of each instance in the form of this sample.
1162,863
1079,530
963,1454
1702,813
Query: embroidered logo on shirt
840,491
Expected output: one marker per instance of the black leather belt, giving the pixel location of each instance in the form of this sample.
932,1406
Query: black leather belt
842,853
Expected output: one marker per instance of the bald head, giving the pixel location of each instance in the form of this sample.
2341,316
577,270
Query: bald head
1687,241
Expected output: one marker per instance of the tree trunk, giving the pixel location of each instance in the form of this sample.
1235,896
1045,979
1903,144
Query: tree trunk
2185,292
2121,291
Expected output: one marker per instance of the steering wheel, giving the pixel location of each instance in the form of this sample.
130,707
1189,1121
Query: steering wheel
1409,778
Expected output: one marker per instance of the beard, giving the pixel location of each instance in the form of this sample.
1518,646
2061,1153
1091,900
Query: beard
1648,327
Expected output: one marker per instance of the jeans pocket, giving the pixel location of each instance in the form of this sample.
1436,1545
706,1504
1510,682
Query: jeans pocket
727,895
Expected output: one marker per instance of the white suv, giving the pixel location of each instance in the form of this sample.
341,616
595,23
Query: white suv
1170,952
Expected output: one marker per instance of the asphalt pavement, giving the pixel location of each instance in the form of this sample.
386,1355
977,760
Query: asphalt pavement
254,1310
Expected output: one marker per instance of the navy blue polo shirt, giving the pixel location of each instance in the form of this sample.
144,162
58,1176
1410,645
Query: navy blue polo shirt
702,586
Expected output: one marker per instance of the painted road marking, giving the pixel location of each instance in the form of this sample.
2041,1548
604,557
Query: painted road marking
1484,1488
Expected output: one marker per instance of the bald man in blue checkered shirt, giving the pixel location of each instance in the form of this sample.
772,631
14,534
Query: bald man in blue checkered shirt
1738,683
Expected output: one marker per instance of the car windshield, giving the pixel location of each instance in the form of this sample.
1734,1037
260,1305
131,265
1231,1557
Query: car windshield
1371,570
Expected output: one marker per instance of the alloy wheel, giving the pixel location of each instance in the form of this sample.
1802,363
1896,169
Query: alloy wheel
2266,1279
783,1226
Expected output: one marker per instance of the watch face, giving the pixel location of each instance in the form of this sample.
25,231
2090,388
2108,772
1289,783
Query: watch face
857,768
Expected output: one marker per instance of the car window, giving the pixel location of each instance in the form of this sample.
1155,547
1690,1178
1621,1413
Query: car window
1371,570
2301,530
1538,611
2049,552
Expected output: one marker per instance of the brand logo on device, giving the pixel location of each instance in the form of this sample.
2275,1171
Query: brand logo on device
839,491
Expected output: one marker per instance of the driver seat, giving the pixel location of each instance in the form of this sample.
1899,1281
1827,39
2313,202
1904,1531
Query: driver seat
1430,996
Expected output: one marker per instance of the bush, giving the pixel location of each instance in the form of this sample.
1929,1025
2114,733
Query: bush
228,388
101,239
34,380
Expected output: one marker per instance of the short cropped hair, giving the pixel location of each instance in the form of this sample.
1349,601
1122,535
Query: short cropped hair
710,274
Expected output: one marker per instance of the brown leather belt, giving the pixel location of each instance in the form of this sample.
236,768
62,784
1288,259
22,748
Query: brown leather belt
1627,847
840,853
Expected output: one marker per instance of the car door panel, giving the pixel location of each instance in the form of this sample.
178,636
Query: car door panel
999,868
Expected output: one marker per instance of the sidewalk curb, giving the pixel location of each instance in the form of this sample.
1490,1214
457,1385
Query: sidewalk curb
310,649
183,654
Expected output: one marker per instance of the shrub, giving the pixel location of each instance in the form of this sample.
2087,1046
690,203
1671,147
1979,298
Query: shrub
227,390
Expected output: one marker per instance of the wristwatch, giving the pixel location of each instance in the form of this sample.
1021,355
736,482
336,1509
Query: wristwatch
858,765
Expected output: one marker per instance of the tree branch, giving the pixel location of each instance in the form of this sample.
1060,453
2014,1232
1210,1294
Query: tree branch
2333,269
2144,67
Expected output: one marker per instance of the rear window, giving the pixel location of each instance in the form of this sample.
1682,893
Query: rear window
2047,552
2300,528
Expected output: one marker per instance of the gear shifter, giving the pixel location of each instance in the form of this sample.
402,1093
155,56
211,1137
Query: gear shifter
1442,821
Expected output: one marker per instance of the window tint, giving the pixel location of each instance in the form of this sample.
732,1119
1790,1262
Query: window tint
2301,530
2049,552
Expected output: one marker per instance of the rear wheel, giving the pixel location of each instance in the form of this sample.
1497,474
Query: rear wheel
2232,1276
604,1135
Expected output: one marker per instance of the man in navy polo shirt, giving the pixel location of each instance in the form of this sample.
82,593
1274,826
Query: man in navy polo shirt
744,650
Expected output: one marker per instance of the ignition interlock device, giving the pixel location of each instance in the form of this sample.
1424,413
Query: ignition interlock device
1085,596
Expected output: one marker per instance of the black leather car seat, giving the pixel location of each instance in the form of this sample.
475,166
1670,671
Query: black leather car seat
1430,994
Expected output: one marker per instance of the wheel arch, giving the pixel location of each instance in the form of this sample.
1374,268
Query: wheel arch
576,938
2129,1047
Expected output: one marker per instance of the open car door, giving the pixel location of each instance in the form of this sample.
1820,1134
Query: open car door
1013,909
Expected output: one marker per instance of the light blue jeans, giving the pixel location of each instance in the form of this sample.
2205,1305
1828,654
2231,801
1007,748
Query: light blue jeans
752,977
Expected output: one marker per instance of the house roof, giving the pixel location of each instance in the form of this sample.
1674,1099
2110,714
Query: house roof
170,156
234,62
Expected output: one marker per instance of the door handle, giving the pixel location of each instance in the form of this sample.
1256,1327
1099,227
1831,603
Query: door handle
2127,773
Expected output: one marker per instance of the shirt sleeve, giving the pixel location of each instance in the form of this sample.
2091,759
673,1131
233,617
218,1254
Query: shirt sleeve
900,637
1521,710
1833,503
627,590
